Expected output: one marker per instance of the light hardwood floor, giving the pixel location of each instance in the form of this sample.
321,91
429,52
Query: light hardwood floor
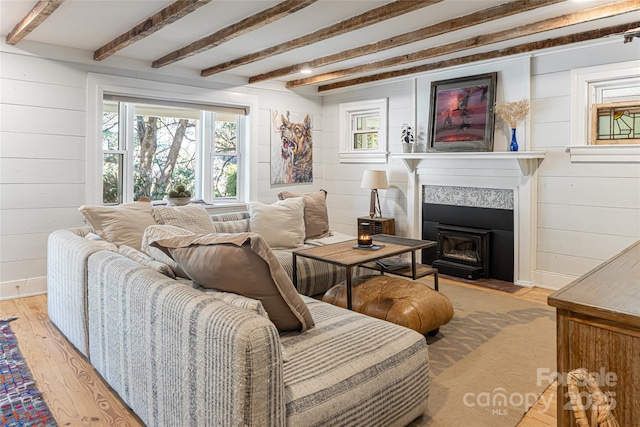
78,396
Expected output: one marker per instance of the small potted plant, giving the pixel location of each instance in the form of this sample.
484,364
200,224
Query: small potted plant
179,196
407,138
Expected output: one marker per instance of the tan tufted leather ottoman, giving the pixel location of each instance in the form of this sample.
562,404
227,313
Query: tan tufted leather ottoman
401,301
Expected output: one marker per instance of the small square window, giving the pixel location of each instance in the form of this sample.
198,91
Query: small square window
363,132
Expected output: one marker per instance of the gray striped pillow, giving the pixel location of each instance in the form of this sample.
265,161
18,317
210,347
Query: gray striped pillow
240,226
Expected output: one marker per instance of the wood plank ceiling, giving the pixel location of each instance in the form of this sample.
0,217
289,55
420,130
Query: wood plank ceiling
342,43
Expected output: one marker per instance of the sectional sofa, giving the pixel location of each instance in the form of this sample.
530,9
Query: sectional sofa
182,355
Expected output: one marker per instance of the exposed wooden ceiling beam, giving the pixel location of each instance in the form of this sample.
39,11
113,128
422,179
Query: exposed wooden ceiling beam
370,17
479,41
480,17
155,22
41,11
234,30
514,50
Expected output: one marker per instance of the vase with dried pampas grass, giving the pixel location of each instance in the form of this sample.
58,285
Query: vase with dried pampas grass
512,113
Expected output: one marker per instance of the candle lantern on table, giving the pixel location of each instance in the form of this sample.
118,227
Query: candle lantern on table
364,237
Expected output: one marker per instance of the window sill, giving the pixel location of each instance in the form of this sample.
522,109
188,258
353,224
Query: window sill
615,153
225,207
354,157
212,208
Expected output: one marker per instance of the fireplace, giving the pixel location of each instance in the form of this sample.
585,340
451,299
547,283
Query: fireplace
475,240
463,251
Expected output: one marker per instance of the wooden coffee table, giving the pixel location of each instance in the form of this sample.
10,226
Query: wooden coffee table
344,254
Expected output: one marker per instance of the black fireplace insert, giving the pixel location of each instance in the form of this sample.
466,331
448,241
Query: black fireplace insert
463,251
498,260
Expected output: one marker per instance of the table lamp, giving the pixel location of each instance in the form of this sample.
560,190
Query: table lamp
374,180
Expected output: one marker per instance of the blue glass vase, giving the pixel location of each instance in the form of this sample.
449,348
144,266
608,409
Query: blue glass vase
514,141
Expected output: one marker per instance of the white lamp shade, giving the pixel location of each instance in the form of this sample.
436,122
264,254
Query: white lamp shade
374,180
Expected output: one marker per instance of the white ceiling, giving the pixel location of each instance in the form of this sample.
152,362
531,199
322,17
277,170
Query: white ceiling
89,24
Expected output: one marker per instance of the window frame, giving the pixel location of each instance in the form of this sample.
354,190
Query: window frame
586,88
209,151
99,84
349,112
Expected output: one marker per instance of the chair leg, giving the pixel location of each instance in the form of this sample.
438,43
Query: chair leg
435,281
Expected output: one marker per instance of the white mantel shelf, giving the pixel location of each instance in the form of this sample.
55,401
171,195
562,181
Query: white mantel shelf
527,160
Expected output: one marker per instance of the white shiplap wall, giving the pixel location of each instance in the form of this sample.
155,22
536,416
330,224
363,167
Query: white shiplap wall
346,200
587,212
43,149
42,164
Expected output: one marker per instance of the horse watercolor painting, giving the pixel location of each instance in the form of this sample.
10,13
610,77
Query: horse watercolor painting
291,148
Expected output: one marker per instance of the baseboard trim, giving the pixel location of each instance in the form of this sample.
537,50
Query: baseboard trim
23,288
524,283
550,280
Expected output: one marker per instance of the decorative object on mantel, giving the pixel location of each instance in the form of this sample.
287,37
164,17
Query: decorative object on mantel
512,113
375,180
407,138
461,113
179,196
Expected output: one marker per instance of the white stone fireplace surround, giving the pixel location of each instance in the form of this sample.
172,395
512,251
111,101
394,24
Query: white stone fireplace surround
504,170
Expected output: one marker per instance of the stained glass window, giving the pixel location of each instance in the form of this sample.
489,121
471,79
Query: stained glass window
617,123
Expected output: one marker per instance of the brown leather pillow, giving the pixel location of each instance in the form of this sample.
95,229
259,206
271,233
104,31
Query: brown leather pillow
316,217
244,264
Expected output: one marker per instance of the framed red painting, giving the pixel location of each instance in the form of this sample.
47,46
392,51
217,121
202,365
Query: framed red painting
461,113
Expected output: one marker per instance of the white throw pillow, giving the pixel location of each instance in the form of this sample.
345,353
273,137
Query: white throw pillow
280,224
121,225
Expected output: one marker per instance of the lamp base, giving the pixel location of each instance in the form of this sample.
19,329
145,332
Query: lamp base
374,206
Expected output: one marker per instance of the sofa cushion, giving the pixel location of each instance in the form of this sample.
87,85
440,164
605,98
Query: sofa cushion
158,232
354,370
281,224
146,260
316,217
244,264
121,225
192,217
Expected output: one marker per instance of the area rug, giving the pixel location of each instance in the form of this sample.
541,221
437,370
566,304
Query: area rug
491,362
21,404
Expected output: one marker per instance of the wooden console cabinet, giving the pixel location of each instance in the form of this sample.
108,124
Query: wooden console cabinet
598,327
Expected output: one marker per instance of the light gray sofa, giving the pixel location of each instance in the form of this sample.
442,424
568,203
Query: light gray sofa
178,356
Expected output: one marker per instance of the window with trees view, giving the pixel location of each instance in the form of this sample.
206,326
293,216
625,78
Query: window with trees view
148,149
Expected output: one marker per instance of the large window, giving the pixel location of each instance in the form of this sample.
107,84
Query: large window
149,147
